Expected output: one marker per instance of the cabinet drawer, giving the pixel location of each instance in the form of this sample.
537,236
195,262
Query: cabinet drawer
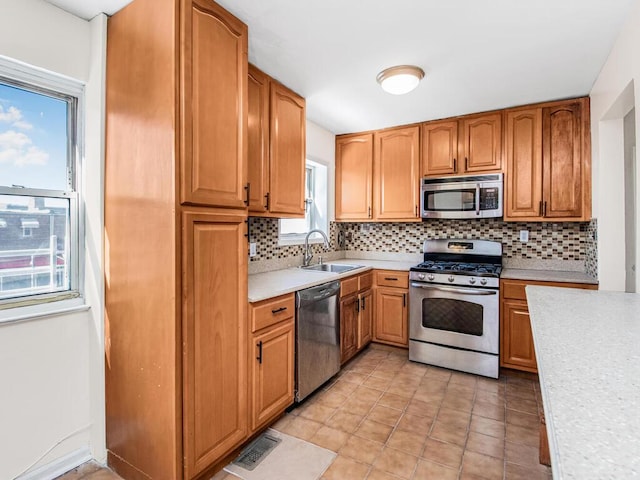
514,290
271,311
366,281
349,286
391,278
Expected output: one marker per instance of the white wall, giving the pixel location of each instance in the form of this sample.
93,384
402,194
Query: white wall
51,369
321,147
615,91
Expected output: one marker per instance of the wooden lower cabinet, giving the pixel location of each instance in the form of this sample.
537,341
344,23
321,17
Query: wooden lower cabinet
391,325
271,358
516,339
356,314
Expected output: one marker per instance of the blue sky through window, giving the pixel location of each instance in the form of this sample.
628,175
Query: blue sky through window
33,139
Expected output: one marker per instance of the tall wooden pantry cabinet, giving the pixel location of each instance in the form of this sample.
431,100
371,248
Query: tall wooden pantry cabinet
175,246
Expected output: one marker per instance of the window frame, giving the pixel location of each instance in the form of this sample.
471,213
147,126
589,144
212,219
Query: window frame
40,81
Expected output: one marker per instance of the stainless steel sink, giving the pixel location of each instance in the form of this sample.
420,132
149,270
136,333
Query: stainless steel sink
331,267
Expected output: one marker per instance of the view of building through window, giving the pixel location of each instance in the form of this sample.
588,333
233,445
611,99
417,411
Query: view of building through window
37,200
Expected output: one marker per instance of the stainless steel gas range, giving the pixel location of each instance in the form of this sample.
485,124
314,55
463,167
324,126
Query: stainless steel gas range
454,306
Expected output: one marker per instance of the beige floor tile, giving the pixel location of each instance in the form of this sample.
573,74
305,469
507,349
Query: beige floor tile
523,390
345,388
317,412
458,402
523,435
386,415
443,453
488,426
522,405
394,401
357,405
344,468
472,476
90,471
479,443
408,442
486,396
376,474
427,396
365,393
402,390
427,470
283,422
332,399
437,373
386,374
414,368
523,455
518,472
330,438
353,377
422,409
361,449
488,410
522,419
396,462
449,433
454,417
415,424
377,383
482,465
302,428
345,421
431,385
375,431
489,385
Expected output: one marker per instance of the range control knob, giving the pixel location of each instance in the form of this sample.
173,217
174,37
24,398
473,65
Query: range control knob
421,276
483,281
450,278
431,277
472,280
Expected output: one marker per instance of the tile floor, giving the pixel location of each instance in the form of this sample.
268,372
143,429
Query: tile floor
389,419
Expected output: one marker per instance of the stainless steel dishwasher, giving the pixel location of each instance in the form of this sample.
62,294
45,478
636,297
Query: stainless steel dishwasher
317,337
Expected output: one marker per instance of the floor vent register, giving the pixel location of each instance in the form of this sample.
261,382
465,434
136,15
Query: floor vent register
257,451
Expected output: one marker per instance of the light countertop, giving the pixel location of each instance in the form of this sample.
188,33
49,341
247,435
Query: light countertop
278,282
587,346
547,275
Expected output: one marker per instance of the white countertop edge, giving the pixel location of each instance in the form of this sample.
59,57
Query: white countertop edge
559,276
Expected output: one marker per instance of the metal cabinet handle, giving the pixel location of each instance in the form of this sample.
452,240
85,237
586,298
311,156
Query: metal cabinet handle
466,164
247,189
392,279
416,210
455,165
248,234
540,208
259,357
278,310
544,208
357,306
404,299
363,303
369,212
267,198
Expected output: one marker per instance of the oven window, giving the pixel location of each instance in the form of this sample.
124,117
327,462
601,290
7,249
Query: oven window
450,200
452,315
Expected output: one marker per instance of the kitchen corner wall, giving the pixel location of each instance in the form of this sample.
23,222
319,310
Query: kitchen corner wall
547,241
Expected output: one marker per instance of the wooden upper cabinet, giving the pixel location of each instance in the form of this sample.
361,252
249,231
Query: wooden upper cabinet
523,178
354,177
562,151
287,168
396,174
213,110
439,148
258,139
548,174
214,337
480,146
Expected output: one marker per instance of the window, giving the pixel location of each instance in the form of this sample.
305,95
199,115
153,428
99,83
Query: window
293,231
39,206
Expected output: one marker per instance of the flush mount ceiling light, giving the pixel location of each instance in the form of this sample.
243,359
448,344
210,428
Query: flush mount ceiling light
400,79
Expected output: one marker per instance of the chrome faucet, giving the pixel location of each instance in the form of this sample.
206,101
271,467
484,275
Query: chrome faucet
306,259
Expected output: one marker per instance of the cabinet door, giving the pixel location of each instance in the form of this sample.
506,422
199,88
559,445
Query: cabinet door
517,340
349,307
287,159
213,107
214,332
258,139
523,178
481,145
439,148
354,177
562,160
391,324
365,318
396,174
272,372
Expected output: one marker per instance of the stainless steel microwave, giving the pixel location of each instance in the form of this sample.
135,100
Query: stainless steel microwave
469,196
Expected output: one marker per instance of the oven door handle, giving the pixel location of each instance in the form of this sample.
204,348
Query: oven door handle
466,291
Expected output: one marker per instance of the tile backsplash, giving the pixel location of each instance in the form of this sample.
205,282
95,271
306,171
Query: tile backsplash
547,241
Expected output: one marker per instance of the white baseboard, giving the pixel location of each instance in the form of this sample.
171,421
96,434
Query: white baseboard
58,466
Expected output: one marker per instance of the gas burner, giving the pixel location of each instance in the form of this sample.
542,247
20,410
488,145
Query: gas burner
469,268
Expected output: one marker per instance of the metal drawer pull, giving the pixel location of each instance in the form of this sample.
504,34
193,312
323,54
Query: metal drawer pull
466,291
391,279
278,310
404,299
259,357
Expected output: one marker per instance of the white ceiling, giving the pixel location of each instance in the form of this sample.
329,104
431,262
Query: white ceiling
478,55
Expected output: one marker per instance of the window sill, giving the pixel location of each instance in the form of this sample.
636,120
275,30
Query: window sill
42,310
299,240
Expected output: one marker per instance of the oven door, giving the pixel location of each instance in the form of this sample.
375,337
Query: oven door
460,317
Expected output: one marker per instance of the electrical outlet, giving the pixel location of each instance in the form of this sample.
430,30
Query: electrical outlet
524,236
253,249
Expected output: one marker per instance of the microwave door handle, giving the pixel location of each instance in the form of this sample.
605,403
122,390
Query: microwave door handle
466,291
478,199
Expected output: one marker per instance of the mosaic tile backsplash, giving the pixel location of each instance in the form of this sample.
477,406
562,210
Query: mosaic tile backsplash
547,241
